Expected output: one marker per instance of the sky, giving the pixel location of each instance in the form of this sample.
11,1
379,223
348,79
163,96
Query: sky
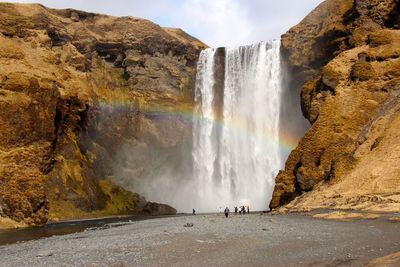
215,22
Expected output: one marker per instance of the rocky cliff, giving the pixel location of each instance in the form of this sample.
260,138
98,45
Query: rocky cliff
344,57
77,88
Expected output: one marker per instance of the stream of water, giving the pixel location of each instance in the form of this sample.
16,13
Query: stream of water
236,153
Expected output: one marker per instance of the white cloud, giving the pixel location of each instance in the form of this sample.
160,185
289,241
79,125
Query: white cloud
218,23
215,22
240,22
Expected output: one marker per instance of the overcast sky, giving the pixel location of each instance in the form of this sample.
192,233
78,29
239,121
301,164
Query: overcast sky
215,22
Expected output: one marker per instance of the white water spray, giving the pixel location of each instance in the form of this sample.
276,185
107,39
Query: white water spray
236,153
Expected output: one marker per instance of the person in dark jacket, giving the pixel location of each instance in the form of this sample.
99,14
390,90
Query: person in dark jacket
226,212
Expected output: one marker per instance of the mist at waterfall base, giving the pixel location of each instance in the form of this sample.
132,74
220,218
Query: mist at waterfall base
238,141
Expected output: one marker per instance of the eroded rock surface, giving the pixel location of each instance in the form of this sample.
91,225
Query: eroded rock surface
345,57
74,88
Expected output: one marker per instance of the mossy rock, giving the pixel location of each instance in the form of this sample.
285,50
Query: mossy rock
120,201
330,76
379,38
362,71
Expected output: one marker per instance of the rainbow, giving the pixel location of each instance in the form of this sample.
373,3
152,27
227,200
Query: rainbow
286,141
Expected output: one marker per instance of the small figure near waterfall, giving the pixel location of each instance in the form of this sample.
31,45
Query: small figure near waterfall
236,210
248,209
226,212
194,212
244,210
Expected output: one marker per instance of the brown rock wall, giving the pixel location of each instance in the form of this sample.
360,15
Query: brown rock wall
346,58
60,71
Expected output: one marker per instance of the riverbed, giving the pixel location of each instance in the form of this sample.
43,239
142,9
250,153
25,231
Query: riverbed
212,240
10,236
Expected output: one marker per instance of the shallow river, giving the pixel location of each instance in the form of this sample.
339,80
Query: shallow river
10,236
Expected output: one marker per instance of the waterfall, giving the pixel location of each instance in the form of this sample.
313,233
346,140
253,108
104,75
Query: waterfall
236,153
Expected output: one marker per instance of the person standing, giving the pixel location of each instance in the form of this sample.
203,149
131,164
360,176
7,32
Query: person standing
226,212
236,210
194,212
248,209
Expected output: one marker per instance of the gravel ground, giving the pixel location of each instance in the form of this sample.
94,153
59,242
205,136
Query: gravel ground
249,240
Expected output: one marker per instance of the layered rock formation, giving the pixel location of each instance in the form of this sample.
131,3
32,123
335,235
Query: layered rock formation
75,88
345,57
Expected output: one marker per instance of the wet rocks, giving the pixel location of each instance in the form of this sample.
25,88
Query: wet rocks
188,225
45,253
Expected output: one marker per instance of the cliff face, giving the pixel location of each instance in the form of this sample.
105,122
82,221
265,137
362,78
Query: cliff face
345,57
75,87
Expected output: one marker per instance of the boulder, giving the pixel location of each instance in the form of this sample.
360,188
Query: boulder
152,208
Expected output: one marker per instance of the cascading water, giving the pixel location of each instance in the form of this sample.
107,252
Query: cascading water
236,153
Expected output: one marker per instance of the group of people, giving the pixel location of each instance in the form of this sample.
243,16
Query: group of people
241,210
